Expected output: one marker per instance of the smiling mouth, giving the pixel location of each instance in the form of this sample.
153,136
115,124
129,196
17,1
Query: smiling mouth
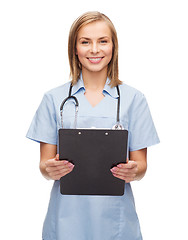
95,59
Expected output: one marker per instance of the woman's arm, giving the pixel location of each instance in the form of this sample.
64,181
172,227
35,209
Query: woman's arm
134,169
50,166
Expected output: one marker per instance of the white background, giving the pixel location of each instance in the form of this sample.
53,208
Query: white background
153,57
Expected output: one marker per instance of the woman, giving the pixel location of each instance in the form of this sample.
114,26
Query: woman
93,58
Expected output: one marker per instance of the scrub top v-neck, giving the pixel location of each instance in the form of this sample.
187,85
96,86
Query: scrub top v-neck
73,217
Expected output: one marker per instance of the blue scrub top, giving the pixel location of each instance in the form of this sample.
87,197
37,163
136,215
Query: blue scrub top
73,217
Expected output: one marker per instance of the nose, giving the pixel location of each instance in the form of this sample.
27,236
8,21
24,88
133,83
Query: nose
94,48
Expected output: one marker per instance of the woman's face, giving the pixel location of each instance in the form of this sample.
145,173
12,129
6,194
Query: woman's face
94,46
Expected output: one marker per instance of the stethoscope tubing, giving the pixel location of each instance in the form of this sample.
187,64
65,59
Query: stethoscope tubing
117,126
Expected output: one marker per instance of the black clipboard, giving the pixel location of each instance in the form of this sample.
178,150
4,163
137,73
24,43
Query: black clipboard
93,152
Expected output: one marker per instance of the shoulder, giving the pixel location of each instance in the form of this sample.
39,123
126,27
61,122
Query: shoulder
62,89
130,93
53,98
58,93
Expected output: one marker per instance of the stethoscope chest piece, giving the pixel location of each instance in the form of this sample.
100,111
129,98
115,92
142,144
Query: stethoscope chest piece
117,126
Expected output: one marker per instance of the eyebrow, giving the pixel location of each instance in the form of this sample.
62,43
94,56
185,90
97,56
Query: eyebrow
90,38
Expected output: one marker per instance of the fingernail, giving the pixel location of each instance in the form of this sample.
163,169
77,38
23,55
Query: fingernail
65,162
70,165
113,170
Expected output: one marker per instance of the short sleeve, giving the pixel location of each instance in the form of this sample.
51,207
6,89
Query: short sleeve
142,132
43,127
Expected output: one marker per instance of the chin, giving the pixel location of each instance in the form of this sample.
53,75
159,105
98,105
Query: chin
96,68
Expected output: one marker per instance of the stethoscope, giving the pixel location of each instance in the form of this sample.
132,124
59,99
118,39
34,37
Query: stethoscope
117,126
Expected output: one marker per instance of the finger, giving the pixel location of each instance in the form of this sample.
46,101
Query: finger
62,172
117,170
118,176
56,175
53,162
59,167
120,169
130,164
124,173
126,179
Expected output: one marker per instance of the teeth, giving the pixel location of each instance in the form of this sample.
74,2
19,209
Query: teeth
95,59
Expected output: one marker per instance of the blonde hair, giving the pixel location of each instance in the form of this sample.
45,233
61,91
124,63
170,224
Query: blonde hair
75,66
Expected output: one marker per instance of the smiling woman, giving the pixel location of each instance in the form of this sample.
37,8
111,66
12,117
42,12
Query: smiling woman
93,58
97,33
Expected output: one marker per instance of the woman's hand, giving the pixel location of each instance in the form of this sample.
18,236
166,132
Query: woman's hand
134,169
57,169
126,171
51,167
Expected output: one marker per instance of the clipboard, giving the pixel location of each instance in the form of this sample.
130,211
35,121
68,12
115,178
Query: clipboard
93,152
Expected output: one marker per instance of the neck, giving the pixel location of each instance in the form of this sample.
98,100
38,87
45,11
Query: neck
94,80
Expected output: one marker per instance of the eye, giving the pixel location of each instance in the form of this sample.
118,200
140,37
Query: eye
103,41
84,42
